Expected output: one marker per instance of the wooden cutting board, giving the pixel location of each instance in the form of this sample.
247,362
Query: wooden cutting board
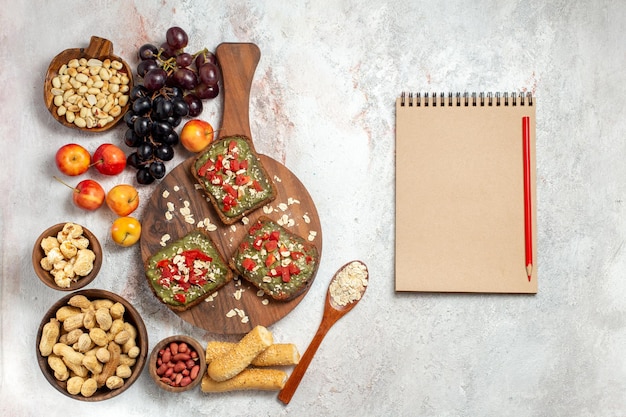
236,308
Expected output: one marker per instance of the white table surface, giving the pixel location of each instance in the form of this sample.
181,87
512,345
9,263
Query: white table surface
323,104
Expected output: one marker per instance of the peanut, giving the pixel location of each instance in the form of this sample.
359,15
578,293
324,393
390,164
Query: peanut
89,387
74,384
49,337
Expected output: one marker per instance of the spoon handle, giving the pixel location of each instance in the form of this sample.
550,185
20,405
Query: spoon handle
292,383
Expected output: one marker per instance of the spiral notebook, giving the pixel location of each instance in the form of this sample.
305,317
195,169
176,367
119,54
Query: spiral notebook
465,193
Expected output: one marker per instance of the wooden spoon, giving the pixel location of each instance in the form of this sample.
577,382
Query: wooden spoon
332,313
98,48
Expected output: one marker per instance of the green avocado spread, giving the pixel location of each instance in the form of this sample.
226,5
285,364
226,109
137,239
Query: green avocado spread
186,269
279,262
230,171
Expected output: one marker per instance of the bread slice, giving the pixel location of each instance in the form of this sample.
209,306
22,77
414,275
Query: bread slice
275,260
187,271
233,177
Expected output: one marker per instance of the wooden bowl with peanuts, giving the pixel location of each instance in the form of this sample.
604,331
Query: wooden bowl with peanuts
88,88
92,345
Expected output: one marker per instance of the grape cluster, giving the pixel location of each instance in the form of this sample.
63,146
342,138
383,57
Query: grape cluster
174,83
151,123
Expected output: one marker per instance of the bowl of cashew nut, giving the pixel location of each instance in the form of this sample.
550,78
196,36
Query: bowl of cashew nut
67,256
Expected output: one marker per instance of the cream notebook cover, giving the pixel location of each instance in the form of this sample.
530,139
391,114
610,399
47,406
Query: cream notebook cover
460,194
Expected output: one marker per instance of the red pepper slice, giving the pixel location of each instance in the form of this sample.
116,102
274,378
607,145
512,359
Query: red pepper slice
180,297
248,264
296,255
255,228
243,164
275,235
234,165
271,245
232,145
215,178
257,186
229,202
294,269
230,190
208,166
257,243
218,163
242,179
286,275
270,260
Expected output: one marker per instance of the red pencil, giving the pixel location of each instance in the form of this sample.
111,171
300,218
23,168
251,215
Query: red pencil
528,223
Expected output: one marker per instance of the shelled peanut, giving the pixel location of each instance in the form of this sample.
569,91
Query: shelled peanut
177,364
89,345
90,92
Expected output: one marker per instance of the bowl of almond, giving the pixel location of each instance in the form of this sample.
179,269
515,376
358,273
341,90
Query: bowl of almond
88,88
67,256
91,345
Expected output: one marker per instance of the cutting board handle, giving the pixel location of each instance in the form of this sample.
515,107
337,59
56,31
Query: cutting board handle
238,63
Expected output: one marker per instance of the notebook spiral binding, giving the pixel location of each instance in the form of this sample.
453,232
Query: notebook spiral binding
466,99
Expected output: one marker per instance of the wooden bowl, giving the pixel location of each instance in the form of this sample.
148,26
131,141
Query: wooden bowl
130,316
154,357
99,48
47,278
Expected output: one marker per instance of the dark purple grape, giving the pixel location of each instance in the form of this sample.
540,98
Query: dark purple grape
204,57
162,108
161,129
155,79
209,73
176,92
129,119
144,177
195,105
157,169
184,60
137,91
185,78
133,160
164,152
172,139
147,51
174,121
144,66
176,38
142,105
145,151
205,91
180,107
167,51
131,139
142,126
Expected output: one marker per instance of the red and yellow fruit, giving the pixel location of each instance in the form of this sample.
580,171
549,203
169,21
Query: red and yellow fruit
123,199
196,135
72,159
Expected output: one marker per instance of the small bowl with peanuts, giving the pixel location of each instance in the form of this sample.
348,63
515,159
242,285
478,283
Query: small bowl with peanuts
177,363
88,88
67,256
92,345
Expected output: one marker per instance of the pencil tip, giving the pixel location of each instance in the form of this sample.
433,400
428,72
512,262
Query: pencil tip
529,271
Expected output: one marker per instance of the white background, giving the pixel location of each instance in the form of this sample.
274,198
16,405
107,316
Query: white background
323,104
